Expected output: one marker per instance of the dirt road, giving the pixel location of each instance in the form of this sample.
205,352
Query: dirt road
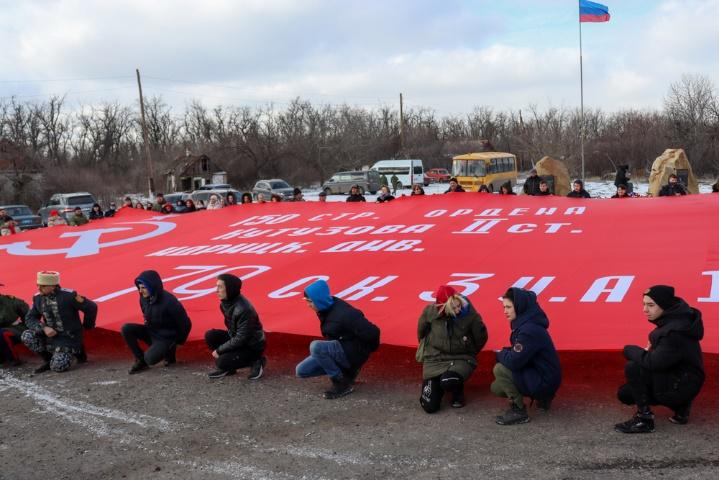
97,422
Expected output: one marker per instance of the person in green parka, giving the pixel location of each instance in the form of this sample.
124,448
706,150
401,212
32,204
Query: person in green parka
12,315
451,333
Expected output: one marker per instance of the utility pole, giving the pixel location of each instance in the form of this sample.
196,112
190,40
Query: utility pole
401,123
148,158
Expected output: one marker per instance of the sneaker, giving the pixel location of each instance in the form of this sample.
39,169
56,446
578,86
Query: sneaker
637,424
544,404
340,387
458,400
257,368
513,416
681,416
138,367
42,368
219,373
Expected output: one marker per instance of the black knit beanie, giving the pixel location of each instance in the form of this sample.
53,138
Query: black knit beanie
663,295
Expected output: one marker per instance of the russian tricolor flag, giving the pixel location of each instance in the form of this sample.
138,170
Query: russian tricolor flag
593,12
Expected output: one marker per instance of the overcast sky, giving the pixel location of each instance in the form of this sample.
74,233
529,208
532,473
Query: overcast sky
446,55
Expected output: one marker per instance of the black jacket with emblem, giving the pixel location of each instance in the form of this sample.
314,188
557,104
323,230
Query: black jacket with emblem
163,313
65,320
674,356
532,357
452,344
241,319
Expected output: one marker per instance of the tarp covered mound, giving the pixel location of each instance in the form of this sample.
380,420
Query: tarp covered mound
589,260
549,166
669,162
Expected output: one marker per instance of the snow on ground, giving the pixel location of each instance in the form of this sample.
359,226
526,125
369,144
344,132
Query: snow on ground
597,188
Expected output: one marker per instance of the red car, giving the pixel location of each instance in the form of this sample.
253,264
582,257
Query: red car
437,175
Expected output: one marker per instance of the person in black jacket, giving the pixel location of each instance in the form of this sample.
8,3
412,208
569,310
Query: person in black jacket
530,366
54,329
531,184
350,338
355,195
670,371
454,186
242,343
673,188
166,324
578,190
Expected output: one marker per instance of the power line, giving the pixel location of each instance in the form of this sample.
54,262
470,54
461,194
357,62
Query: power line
47,80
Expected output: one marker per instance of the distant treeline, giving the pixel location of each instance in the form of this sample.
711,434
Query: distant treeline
99,148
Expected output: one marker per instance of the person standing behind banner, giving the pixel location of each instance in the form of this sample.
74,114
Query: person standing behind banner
243,342
544,189
578,190
355,195
350,339
54,329
530,366
451,333
670,371
166,324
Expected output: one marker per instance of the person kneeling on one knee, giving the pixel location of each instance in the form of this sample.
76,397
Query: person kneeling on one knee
166,324
530,366
349,340
670,371
451,333
243,342
54,329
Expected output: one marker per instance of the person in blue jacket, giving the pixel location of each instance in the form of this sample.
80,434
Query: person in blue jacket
530,366
349,340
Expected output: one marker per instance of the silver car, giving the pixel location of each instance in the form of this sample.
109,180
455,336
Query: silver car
24,217
65,204
367,180
274,186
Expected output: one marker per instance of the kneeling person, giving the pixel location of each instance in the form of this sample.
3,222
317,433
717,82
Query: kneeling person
166,324
530,367
670,371
451,334
242,344
350,340
54,329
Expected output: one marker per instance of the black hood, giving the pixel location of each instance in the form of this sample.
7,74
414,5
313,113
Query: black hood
233,285
152,281
682,318
527,308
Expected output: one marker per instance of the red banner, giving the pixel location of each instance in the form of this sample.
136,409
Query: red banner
588,260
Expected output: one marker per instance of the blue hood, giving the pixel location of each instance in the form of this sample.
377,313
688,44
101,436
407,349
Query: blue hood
527,309
319,293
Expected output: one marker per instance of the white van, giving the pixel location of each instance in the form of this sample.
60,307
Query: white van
402,169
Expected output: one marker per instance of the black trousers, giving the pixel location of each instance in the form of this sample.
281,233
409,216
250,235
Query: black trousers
159,349
645,388
234,359
433,390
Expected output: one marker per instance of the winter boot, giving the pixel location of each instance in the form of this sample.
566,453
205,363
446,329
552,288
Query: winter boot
257,368
138,367
515,415
81,356
458,400
46,363
170,358
340,387
544,404
641,422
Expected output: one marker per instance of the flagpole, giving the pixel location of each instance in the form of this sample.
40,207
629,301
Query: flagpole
581,90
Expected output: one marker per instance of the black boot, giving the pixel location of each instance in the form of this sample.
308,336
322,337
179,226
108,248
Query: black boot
46,363
138,366
81,356
681,415
515,415
258,367
341,386
641,422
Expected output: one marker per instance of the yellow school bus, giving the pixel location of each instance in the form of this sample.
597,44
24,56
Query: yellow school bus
486,168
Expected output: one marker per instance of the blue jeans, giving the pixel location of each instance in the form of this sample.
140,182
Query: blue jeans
326,358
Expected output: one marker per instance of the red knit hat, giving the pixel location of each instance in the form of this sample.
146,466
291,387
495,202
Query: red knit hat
53,213
443,293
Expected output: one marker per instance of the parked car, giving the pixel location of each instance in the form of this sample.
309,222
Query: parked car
24,217
172,198
65,204
437,175
216,186
342,182
273,186
204,196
